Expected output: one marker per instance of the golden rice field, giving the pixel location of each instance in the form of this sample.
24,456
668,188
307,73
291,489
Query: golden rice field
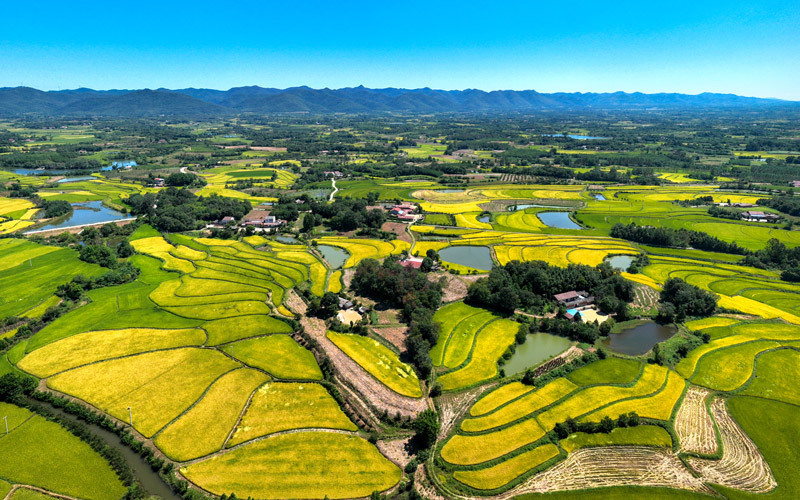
380,362
300,465
281,406
360,249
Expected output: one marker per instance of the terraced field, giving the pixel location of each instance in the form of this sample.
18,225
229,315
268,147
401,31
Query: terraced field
204,370
471,340
360,249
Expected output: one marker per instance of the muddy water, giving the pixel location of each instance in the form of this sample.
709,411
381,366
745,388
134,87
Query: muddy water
537,348
335,256
639,339
475,257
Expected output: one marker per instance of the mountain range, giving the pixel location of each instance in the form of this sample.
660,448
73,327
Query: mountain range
191,102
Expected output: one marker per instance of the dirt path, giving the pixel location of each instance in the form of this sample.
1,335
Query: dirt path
373,391
36,488
335,189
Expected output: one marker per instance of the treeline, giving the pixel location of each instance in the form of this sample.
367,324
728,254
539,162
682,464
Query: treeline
786,204
412,292
175,210
531,286
675,238
55,208
59,159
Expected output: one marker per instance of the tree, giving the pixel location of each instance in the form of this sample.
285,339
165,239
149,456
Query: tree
13,385
308,223
427,265
522,333
426,427
125,249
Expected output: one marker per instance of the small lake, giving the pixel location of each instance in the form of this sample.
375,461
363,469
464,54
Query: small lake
523,206
289,240
598,196
76,179
475,257
485,218
575,136
621,262
537,348
335,256
560,220
639,339
90,212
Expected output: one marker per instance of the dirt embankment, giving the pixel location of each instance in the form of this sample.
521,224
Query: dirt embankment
353,375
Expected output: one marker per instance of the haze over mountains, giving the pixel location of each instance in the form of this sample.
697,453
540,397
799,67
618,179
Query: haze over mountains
193,102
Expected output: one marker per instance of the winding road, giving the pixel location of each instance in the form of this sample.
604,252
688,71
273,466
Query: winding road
335,189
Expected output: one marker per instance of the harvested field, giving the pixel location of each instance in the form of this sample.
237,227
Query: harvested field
742,466
693,424
614,466
396,335
399,229
367,386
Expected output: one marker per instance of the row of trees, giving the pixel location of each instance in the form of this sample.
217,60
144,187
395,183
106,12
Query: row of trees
176,210
675,238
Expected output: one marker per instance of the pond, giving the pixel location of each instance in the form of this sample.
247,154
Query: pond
560,220
149,479
76,179
474,257
639,339
539,347
289,240
621,262
598,196
335,256
485,218
90,212
575,136
523,206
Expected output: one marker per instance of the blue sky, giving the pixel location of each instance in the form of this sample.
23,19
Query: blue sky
747,48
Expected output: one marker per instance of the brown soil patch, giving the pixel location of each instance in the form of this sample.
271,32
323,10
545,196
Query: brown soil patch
399,229
645,297
394,334
455,287
347,277
395,451
274,149
388,316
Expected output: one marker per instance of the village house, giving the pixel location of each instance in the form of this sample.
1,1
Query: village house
158,182
573,299
758,216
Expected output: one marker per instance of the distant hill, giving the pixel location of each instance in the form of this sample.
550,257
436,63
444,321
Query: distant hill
208,102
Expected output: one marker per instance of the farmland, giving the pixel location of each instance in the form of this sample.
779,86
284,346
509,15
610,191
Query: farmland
216,344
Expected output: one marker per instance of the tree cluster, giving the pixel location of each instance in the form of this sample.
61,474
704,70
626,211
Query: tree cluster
55,208
606,425
680,300
531,285
176,210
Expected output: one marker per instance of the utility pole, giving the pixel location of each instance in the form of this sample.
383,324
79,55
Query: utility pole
130,416
5,419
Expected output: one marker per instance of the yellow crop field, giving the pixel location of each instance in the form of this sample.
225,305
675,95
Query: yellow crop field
505,472
299,465
280,406
184,252
226,330
278,355
360,249
146,383
477,448
688,364
221,310
91,347
490,343
8,205
658,406
712,322
380,362
335,282
499,397
591,398
519,408
205,427
158,247
471,221
642,435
